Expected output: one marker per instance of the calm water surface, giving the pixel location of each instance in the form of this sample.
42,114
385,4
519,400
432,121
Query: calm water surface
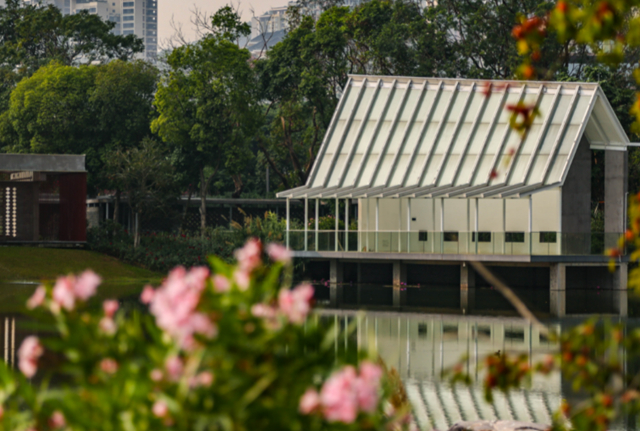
425,335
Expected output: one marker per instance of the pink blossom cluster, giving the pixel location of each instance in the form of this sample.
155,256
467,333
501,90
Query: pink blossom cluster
67,291
249,258
174,370
107,324
294,305
345,394
174,305
28,355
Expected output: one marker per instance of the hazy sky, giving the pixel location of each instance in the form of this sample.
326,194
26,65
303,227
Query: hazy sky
181,11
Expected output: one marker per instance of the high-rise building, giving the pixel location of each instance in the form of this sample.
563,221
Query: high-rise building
139,17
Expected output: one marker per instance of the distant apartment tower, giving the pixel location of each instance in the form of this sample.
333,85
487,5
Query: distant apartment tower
139,17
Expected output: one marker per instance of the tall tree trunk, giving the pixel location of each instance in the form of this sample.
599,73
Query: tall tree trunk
116,208
136,230
185,211
203,202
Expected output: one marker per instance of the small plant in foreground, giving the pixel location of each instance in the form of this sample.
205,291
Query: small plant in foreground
230,350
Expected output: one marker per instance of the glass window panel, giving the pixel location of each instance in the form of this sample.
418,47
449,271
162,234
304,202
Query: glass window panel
546,103
381,100
352,170
367,173
537,168
531,141
449,169
367,99
457,106
476,144
401,169
414,171
395,104
429,137
581,108
502,169
492,106
412,138
351,97
484,168
349,141
431,170
495,140
336,135
563,106
556,170
335,175
460,142
466,170
569,139
549,139
384,171
519,169
381,137
446,135
428,100
322,170
410,104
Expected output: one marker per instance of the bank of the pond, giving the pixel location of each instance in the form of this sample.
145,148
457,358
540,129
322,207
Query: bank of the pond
35,264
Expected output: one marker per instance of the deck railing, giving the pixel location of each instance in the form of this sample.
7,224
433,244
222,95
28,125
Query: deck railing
423,242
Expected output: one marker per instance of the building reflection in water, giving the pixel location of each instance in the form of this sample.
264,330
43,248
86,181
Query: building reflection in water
421,346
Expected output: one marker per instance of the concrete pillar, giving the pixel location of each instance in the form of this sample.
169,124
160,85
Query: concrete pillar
399,284
336,278
467,287
558,289
620,292
616,178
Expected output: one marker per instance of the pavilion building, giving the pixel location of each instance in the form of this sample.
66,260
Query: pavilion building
440,178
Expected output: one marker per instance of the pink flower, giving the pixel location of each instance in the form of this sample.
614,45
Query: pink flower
110,307
109,366
174,367
174,306
160,409
107,325
37,298
221,283
147,295
28,355
1,412
309,402
279,253
63,293
250,256
296,303
156,375
338,396
86,285
205,378
57,420
368,394
242,279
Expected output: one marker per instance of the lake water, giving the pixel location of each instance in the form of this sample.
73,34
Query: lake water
420,339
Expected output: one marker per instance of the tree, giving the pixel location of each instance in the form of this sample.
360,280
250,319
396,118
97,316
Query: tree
81,110
31,36
207,105
146,177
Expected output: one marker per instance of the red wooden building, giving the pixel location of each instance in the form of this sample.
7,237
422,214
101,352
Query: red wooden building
42,198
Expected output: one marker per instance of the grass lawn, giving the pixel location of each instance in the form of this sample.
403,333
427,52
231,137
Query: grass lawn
36,264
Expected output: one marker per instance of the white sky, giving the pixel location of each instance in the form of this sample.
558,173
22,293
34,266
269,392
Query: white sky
181,11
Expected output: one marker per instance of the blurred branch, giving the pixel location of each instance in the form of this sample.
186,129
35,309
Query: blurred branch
509,295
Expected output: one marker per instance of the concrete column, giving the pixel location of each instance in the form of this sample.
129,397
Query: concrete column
399,284
558,289
620,292
336,279
616,179
467,287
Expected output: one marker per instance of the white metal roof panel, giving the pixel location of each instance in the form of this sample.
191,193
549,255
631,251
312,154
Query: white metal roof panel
397,136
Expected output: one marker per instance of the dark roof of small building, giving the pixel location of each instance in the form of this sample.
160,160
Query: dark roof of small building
62,163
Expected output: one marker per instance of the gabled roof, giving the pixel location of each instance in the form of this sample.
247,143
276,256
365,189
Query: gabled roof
430,137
